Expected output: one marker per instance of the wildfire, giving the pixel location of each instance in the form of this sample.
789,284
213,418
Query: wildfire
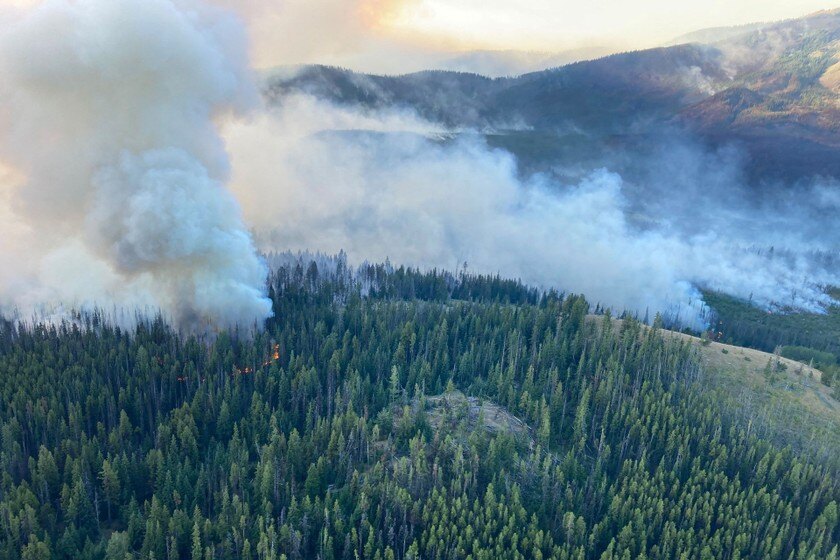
275,355
246,370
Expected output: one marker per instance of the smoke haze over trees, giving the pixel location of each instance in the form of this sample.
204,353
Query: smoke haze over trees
120,168
388,184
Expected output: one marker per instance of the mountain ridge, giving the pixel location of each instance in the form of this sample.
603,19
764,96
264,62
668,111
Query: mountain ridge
767,90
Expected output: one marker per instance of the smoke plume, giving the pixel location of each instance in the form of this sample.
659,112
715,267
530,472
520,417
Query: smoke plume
386,184
115,171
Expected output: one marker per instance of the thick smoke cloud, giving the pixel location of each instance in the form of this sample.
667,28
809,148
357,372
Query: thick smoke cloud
113,187
314,176
116,170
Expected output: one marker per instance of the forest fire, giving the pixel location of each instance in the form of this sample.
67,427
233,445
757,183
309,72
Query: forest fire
244,370
247,370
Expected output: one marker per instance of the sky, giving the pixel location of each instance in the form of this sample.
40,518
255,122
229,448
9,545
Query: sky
388,35
391,36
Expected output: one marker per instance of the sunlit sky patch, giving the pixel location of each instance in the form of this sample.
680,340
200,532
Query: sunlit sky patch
404,35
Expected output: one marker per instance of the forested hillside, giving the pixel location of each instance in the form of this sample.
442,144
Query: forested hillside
322,436
746,325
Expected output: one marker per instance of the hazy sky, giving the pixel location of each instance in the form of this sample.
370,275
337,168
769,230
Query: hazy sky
388,35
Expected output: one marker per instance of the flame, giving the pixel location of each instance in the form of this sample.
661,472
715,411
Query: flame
245,370
237,370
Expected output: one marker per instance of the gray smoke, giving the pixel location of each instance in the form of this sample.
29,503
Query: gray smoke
384,185
114,189
113,174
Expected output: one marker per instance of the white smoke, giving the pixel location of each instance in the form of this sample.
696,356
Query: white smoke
116,183
383,186
114,173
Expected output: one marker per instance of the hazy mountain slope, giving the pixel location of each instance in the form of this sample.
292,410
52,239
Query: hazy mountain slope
783,105
614,93
604,92
496,64
715,34
450,98
772,90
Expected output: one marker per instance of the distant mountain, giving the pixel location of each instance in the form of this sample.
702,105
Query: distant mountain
772,89
603,93
497,64
714,34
